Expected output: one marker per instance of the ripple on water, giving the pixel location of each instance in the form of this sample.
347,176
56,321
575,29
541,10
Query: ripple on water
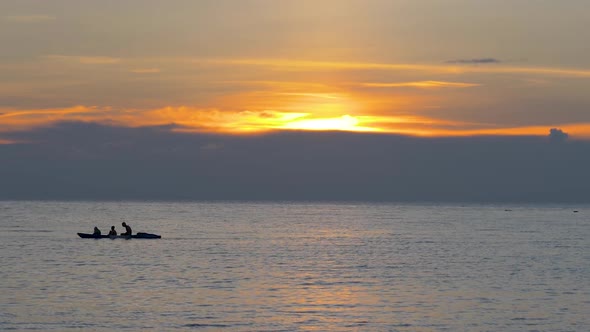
285,267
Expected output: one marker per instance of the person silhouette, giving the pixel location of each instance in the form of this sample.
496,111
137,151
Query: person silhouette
127,229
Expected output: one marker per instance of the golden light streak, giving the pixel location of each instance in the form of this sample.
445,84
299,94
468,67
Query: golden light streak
320,103
309,94
578,130
294,65
290,65
284,85
421,84
87,60
305,65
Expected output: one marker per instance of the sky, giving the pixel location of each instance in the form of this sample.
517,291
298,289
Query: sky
289,74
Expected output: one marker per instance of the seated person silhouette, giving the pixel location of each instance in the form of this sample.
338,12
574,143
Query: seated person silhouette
127,230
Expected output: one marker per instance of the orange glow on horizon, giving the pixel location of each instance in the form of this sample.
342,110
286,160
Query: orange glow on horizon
255,122
267,106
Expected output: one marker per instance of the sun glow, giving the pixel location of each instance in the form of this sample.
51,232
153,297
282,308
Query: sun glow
270,107
343,123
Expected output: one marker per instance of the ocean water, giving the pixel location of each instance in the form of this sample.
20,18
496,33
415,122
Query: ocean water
295,267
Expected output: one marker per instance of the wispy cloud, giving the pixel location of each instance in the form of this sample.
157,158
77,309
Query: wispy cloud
421,85
146,70
318,65
7,141
310,94
474,61
87,60
287,65
29,18
17,119
278,84
447,68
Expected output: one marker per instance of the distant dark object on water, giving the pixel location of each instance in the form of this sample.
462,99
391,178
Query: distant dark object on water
507,210
139,235
575,211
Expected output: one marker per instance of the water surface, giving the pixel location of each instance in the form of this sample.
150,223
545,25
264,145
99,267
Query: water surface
295,267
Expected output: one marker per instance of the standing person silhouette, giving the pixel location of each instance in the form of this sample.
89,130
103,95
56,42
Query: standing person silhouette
127,229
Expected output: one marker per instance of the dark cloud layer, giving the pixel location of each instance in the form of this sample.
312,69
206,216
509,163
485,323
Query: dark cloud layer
474,61
87,161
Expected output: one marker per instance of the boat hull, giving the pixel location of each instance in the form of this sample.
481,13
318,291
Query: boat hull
134,236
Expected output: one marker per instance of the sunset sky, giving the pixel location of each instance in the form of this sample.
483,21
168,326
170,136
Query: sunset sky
378,100
422,68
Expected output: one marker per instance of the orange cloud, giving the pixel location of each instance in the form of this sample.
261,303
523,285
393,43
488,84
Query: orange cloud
6,141
420,84
11,120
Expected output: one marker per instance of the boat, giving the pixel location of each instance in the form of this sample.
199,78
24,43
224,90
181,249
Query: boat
139,235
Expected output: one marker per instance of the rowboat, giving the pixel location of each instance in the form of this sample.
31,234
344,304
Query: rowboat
134,236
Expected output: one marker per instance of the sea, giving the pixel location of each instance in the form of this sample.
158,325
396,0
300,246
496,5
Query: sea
295,266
